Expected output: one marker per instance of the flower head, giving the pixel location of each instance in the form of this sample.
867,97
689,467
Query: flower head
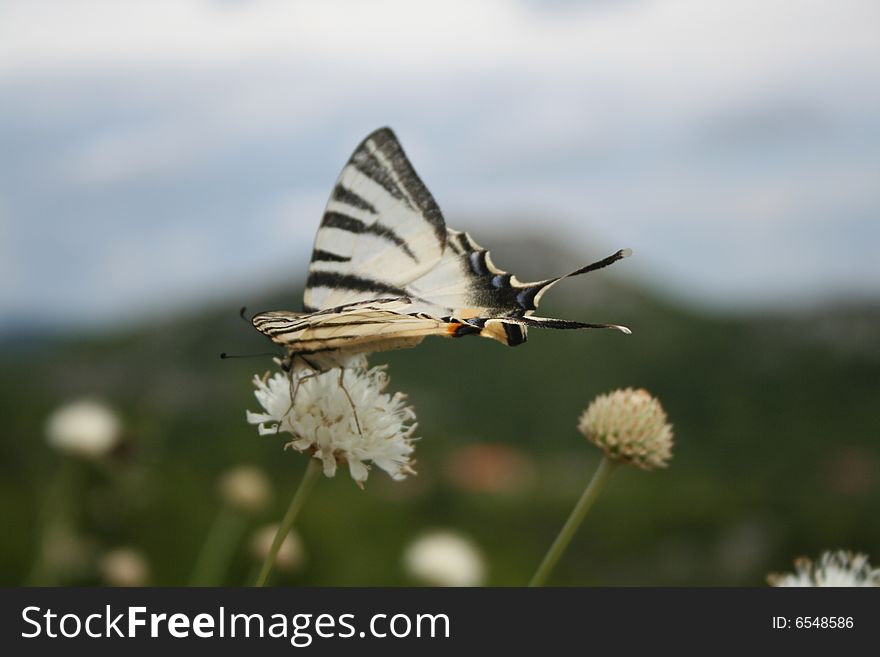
290,556
340,416
840,568
245,488
124,566
83,428
629,426
445,558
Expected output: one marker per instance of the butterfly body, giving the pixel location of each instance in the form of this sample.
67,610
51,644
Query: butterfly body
386,272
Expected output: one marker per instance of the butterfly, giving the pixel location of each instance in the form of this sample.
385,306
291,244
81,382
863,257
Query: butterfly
386,272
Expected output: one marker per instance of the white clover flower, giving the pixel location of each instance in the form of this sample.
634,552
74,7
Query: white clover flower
245,488
124,566
445,558
354,422
83,428
630,427
840,568
291,554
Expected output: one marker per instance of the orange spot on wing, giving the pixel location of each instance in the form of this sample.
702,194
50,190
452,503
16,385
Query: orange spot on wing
452,327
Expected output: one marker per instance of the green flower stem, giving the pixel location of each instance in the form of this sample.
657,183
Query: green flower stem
591,492
219,547
309,479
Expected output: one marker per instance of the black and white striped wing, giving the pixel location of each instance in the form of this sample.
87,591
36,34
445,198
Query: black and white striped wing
386,271
467,286
381,229
383,235
360,327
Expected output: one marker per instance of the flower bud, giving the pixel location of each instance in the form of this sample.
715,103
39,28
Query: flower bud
291,554
124,567
445,558
84,428
630,427
245,488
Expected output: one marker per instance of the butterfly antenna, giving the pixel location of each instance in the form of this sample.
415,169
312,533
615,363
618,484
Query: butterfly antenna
225,356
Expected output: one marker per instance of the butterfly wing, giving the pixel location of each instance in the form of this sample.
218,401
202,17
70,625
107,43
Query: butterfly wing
386,271
359,327
381,229
468,286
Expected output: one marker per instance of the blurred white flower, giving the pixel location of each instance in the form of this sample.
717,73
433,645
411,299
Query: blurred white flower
245,488
85,428
630,427
354,422
124,566
445,558
840,568
291,554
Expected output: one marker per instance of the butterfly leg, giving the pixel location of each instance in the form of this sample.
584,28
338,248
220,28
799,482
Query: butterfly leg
357,422
296,382
316,370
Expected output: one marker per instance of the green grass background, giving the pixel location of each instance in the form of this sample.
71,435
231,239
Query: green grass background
776,452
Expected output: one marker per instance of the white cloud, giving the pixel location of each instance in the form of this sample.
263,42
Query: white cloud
640,122
646,70
671,44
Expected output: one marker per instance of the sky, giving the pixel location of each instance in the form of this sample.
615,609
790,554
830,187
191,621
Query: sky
157,156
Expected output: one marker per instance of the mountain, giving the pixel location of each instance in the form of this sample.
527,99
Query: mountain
776,441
